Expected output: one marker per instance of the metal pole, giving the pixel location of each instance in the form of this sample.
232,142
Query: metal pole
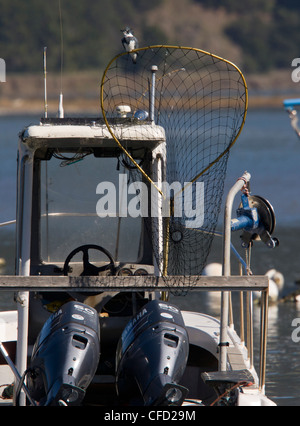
251,341
227,266
45,82
231,319
263,338
22,298
154,69
242,317
23,314
10,222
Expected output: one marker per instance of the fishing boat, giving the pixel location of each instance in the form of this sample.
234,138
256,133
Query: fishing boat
291,106
115,218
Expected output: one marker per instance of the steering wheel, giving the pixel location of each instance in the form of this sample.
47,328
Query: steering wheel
88,268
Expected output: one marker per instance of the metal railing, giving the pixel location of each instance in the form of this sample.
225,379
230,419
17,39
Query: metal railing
246,312
226,284
242,284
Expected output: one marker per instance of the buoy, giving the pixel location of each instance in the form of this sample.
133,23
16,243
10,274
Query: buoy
213,270
276,285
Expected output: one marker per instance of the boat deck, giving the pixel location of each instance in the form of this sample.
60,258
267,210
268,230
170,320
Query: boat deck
7,378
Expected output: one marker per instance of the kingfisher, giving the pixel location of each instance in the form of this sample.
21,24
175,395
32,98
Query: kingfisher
130,42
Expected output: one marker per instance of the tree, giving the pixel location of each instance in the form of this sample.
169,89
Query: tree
91,32
244,7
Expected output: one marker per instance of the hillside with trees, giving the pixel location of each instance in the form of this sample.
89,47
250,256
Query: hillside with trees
260,35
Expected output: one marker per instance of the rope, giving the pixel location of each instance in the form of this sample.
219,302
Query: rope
10,222
248,260
237,385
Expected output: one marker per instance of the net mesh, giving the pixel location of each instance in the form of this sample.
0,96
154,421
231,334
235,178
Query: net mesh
200,101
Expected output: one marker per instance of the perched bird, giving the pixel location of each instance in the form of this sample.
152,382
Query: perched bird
130,43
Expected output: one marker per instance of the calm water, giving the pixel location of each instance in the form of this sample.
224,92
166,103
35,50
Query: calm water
270,151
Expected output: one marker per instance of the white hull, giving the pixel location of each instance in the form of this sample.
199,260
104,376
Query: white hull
8,333
203,331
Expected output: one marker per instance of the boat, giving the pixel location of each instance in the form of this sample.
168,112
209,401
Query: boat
115,218
290,106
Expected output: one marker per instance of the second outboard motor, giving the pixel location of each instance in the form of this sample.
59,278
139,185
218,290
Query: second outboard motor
65,356
151,357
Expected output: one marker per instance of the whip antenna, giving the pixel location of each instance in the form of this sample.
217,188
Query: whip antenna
45,81
60,107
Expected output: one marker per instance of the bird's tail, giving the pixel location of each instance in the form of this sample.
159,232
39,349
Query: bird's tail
134,57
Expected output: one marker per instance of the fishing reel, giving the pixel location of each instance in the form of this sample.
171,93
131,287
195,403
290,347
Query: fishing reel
256,217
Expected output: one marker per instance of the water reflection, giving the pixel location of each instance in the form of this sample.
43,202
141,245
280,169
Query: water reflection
270,151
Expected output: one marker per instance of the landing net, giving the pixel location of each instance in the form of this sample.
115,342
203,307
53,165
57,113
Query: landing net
201,102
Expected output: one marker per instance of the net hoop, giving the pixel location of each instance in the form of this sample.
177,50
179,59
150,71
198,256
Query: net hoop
218,58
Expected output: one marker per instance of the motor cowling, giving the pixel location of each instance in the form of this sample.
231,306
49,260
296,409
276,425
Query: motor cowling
151,357
65,356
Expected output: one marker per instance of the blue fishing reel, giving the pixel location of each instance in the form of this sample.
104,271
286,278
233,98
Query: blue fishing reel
256,217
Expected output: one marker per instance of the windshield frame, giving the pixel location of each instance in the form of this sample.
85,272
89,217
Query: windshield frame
40,231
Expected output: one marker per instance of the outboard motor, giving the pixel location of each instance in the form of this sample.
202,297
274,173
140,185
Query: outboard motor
65,356
151,357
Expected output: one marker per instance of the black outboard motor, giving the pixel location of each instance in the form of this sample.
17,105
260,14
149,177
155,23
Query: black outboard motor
151,357
65,356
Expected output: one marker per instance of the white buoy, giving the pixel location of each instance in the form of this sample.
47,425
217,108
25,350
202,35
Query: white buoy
213,297
213,270
276,285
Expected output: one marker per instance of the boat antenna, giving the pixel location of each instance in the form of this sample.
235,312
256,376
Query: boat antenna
45,81
60,106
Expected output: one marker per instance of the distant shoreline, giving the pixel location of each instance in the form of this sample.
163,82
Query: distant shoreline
19,107
92,106
24,93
